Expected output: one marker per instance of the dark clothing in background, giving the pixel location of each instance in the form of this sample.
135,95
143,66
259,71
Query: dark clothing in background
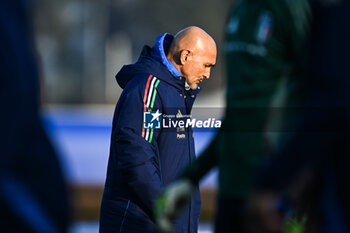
322,141
33,195
230,215
264,42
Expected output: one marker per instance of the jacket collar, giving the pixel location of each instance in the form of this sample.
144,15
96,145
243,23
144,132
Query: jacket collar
158,52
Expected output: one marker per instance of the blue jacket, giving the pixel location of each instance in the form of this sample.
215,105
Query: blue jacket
143,161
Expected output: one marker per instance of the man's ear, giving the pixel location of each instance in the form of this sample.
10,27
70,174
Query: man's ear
184,56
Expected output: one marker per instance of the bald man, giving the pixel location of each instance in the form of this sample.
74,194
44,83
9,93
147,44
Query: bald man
149,144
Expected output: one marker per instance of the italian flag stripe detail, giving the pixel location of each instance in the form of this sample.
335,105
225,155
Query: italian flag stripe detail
154,95
144,101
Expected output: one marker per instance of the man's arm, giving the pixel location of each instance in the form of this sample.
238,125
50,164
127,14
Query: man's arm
136,147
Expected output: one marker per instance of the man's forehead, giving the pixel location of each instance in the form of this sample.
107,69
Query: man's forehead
210,53
208,58
212,57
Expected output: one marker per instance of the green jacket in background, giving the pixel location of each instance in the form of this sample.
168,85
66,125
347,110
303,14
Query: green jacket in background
264,45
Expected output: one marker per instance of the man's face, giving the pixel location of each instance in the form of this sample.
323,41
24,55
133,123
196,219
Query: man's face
198,66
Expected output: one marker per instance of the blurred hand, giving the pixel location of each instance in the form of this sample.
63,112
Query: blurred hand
171,202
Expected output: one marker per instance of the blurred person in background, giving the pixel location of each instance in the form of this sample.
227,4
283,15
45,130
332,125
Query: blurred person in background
264,48
163,82
33,194
321,143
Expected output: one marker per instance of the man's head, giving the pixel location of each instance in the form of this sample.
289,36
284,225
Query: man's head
193,52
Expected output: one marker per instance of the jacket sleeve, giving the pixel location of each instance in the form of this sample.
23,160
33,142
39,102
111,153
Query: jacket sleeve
136,147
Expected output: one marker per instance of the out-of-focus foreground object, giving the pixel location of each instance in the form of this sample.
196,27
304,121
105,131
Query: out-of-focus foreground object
170,204
33,195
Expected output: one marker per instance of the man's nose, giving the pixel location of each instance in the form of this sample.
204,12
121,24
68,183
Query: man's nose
207,74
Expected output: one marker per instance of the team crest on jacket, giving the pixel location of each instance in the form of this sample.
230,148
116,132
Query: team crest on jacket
264,28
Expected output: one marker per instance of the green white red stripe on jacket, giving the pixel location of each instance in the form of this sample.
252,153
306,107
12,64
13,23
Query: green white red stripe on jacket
148,103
